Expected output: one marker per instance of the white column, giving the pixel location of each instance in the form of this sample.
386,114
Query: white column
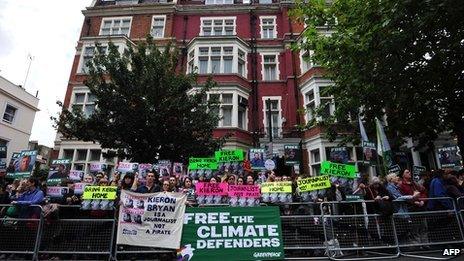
416,157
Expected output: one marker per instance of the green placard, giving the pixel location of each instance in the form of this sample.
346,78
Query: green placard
226,233
203,163
339,170
100,192
229,155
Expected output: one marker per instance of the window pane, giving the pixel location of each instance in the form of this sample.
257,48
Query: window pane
89,110
216,64
204,51
227,98
227,64
241,68
216,51
227,116
91,98
9,114
309,96
79,97
95,155
203,66
77,108
241,119
81,155
68,154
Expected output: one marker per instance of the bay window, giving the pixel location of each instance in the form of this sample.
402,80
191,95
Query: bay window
220,59
232,109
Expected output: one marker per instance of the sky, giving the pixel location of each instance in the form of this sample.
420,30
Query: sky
47,30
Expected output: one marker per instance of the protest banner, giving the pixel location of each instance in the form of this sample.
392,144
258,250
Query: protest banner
228,233
244,195
449,156
211,189
76,175
277,187
339,170
203,163
100,192
229,155
79,188
256,157
339,155
56,191
416,171
59,169
23,165
292,154
125,167
151,220
276,192
314,183
97,167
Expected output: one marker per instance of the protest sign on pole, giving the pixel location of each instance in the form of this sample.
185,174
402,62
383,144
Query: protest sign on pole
56,191
339,170
277,192
59,169
244,195
449,156
125,167
76,175
227,233
416,171
24,164
229,155
257,159
292,154
203,163
314,183
97,167
339,155
151,220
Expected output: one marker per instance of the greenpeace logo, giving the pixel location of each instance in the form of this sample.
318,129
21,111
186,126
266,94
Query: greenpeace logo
266,254
129,232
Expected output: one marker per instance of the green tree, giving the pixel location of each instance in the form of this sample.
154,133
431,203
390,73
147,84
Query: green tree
146,108
399,58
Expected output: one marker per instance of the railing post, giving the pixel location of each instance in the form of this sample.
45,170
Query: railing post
39,234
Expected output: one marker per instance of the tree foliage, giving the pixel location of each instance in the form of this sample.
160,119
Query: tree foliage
145,107
400,58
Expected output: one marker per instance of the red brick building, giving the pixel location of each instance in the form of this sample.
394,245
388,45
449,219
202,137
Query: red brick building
245,45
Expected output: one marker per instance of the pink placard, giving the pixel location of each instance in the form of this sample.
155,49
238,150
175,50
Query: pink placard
244,191
211,189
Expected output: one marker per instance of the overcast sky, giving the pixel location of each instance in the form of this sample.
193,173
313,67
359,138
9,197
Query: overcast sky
48,30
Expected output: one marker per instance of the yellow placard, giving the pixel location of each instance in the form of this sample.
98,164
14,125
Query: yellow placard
314,183
100,192
276,187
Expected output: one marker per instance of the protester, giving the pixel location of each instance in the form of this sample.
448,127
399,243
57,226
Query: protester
438,190
231,180
173,184
167,186
189,189
127,181
116,179
250,179
150,185
240,180
32,196
409,187
376,191
452,186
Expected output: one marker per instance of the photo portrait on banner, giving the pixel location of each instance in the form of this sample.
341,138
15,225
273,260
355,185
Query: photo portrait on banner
257,159
151,220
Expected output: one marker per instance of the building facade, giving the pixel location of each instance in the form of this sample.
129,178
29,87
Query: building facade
17,108
243,44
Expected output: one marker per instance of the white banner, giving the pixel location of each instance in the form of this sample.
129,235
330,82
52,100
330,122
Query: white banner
151,220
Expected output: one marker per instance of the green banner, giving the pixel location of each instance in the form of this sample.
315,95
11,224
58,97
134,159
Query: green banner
314,183
100,192
229,155
226,233
203,163
339,170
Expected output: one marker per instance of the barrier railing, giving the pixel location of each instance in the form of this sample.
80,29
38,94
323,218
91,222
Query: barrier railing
337,230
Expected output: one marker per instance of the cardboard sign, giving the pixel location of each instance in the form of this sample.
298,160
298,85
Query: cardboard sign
203,163
24,164
59,169
56,191
244,191
96,167
257,160
76,175
338,170
100,192
416,171
229,155
211,189
276,187
354,197
314,183
449,156
127,167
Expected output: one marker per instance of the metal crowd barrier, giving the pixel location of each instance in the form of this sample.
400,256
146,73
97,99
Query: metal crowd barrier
79,233
420,228
20,231
353,231
335,230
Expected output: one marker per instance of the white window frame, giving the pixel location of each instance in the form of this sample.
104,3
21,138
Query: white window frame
315,87
121,46
306,65
235,107
83,104
279,107
261,18
15,116
277,66
194,61
153,23
217,18
219,2
112,19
